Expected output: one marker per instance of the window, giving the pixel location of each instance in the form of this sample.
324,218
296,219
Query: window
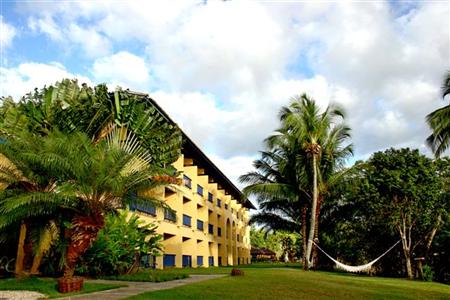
147,208
210,197
200,225
199,260
232,210
211,261
187,261
211,228
199,190
226,206
187,181
170,215
187,220
169,260
219,231
238,237
219,203
220,260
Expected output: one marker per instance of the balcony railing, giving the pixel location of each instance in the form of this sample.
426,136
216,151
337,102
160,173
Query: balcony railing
170,215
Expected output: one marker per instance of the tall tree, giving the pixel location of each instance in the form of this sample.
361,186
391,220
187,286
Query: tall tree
439,122
408,194
322,140
280,188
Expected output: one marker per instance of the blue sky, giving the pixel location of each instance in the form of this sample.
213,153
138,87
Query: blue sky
222,70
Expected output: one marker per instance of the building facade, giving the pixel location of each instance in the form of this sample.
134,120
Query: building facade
208,224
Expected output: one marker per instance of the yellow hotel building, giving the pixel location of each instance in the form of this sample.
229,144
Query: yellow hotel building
210,224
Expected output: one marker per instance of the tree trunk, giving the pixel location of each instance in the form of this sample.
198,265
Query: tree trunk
305,265
313,213
36,263
315,251
431,237
83,232
409,271
406,244
20,258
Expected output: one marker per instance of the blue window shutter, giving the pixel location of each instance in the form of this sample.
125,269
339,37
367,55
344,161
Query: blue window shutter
187,220
169,260
199,260
199,224
187,261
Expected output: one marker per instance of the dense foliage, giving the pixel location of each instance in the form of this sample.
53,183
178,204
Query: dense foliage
70,155
120,245
286,245
396,194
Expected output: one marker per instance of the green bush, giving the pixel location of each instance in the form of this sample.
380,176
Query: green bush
428,273
120,246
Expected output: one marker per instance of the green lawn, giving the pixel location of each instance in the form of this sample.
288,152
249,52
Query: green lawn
294,283
48,286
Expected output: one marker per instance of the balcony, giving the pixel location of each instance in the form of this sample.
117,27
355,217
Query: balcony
145,208
170,215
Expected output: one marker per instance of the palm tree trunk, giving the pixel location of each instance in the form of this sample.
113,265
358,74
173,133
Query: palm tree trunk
20,258
304,236
315,253
83,232
313,213
36,263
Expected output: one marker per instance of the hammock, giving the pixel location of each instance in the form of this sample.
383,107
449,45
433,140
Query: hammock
355,269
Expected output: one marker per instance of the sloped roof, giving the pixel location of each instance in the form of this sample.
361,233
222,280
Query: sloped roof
191,150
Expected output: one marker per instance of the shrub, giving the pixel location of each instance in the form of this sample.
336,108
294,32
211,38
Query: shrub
120,246
428,273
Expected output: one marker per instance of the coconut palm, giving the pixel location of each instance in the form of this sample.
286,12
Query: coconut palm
279,186
439,122
322,148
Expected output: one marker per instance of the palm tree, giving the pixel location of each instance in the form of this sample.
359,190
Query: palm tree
439,122
104,177
69,108
321,138
279,185
28,175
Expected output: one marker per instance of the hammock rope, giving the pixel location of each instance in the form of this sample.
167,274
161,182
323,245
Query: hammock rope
356,269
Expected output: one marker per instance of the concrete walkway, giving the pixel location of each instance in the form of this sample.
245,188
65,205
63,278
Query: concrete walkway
134,288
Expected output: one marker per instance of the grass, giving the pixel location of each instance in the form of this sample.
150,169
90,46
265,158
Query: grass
48,286
294,283
150,276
